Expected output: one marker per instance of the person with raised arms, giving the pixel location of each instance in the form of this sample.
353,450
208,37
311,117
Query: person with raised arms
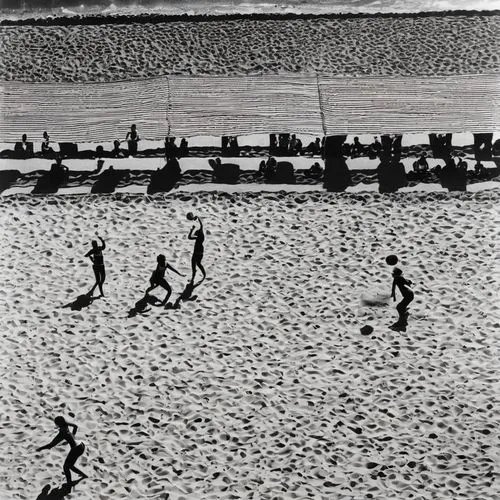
199,237
95,255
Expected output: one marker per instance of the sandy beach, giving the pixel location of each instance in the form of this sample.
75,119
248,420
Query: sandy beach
264,386
404,46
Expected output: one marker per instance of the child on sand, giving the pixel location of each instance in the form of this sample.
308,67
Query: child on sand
402,284
158,277
199,237
95,255
76,450
133,138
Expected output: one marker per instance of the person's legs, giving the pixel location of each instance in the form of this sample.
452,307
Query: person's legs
167,287
403,305
194,262
97,279
69,464
102,278
204,274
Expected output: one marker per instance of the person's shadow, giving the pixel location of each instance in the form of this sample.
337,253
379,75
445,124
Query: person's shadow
81,302
56,493
142,306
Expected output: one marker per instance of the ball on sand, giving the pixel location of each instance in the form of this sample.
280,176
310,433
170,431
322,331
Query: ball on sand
366,330
190,216
392,260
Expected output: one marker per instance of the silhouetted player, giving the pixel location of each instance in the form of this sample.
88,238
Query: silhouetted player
199,237
95,255
76,450
403,284
158,277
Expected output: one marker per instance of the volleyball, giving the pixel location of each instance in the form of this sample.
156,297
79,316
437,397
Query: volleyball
392,260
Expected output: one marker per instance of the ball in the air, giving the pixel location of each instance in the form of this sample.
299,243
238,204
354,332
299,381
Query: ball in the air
366,330
190,216
392,260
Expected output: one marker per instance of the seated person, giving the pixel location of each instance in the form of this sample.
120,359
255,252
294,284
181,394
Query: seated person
227,173
314,148
24,149
47,151
183,148
421,165
270,170
170,148
357,149
316,171
59,173
479,170
234,148
117,152
262,167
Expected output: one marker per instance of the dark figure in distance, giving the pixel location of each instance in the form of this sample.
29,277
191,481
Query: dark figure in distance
402,284
117,152
183,148
199,237
59,173
316,171
314,148
158,277
357,149
133,138
170,148
95,255
47,151
421,165
76,450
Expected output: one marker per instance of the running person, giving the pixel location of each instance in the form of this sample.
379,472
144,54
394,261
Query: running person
76,450
199,237
403,284
95,255
158,277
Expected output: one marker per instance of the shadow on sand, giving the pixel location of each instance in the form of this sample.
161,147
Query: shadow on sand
57,493
81,302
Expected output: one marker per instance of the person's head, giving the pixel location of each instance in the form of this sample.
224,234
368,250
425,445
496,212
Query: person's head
161,259
318,140
60,422
116,144
24,138
133,127
356,139
294,136
94,244
423,155
397,272
45,135
99,150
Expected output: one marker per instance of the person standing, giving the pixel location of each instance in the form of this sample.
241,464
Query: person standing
95,255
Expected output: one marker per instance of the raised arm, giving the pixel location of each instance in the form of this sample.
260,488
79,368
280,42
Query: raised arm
53,443
190,236
103,243
174,270
75,428
393,294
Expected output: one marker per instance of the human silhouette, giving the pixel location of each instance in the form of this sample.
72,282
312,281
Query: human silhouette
199,238
76,450
141,306
81,302
47,151
158,277
95,255
132,139
57,493
187,294
402,284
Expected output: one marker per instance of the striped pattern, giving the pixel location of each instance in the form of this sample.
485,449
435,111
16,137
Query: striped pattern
241,106
76,112
216,106
468,103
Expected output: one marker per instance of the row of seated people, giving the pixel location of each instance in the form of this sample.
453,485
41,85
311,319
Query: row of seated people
391,174
24,150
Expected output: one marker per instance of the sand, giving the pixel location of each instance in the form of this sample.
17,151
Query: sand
413,46
263,387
